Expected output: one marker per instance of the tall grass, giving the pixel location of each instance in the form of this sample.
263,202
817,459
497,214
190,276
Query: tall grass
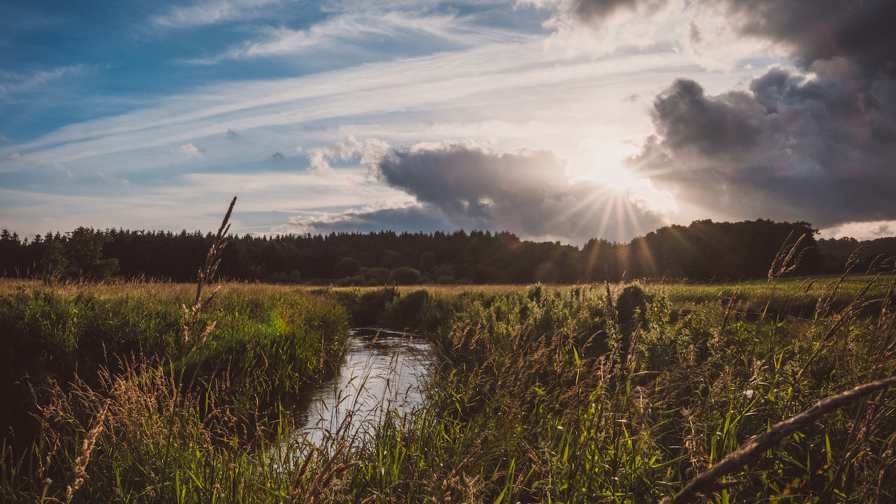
565,396
594,393
180,422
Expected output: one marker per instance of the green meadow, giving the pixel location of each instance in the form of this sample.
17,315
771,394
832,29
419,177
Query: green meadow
116,392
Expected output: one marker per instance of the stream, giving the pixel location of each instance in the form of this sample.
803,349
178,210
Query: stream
383,369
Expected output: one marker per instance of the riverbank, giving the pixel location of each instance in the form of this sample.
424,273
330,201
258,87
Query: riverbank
120,391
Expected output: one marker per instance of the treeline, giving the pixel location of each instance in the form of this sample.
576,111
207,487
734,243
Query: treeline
703,250
867,254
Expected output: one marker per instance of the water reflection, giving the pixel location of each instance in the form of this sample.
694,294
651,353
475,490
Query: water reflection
382,369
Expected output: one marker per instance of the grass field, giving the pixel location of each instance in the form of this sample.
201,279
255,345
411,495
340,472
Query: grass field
585,393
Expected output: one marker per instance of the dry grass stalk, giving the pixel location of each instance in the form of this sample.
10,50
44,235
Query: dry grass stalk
786,259
84,458
300,475
322,481
847,315
206,273
718,339
753,449
613,315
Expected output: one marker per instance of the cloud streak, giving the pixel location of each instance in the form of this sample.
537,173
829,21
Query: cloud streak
358,25
12,83
497,75
212,12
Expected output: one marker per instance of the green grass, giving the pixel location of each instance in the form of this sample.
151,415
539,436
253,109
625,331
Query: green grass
587,393
543,396
182,418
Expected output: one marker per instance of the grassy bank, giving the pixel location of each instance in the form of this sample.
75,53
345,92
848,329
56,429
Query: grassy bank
582,394
595,393
106,375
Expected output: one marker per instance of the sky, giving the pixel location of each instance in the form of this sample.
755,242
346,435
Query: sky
559,120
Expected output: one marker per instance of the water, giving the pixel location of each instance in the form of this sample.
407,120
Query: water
382,369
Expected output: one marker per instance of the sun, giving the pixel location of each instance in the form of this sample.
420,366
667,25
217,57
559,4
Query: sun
614,176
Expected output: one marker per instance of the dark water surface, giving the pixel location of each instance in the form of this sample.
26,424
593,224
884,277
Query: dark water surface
383,369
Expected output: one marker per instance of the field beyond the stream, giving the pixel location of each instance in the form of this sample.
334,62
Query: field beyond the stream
127,392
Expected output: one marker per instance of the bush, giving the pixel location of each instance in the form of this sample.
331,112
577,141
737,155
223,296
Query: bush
404,276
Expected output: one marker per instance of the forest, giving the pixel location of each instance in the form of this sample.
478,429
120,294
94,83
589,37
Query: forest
702,251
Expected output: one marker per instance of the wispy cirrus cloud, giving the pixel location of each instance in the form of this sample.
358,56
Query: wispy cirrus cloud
355,26
212,12
516,81
23,82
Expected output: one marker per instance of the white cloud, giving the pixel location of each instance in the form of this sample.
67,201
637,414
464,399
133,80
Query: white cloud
600,30
714,35
319,162
861,230
355,26
23,82
111,179
191,150
518,82
213,11
370,151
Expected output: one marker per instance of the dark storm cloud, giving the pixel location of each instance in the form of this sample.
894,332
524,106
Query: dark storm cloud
820,148
593,11
457,186
526,192
411,219
816,142
861,30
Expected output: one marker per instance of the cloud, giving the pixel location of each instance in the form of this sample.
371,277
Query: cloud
600,26
212,12
111,179
815,141
413,217
861,230
815,145
463,185
23,82
718,33
822,29
191,150
806,31
370,152
465,87
356,24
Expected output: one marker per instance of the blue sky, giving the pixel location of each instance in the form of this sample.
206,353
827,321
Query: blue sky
554,119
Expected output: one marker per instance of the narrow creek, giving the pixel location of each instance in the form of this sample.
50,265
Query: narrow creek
383,370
